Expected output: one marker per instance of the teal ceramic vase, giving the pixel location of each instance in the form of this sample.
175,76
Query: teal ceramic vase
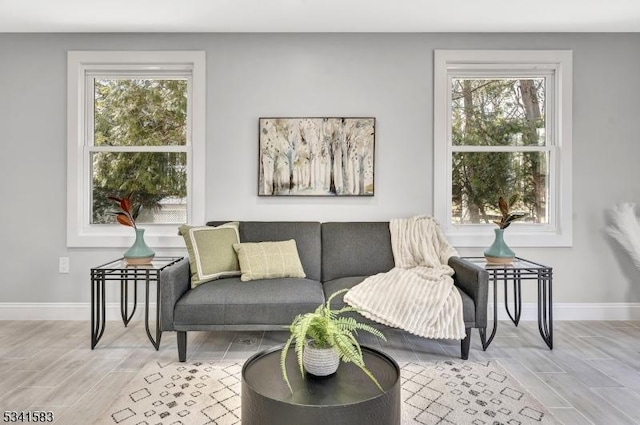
499,252
139,253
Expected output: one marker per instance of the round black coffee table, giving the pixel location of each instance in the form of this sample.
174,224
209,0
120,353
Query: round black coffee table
347,397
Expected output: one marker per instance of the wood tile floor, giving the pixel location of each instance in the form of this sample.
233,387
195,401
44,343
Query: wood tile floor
592,376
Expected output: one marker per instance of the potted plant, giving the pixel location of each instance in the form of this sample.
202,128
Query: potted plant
499,252
139,253
332,334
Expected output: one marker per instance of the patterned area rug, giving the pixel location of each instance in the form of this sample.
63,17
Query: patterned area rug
448,392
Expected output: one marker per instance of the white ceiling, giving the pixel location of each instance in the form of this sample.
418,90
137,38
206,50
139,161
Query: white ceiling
319,16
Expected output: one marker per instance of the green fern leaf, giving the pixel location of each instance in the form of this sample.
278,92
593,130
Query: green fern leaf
335,294
283,361
370,375
327,328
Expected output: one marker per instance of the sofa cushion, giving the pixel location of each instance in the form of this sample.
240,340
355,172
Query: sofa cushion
258,302
305,233
355,249
211,253
268,260
332,286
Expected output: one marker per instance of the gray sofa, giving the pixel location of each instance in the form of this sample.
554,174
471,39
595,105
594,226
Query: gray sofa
334,255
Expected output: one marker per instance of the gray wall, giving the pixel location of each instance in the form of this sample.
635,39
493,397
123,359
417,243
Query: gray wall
388,76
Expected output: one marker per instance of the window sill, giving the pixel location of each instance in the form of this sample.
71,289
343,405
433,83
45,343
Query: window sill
155,238
483,237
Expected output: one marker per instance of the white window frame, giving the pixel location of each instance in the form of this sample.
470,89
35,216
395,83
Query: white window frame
557,66
81,65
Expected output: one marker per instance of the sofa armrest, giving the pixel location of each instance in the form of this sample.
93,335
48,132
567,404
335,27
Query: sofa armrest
175,281
474,281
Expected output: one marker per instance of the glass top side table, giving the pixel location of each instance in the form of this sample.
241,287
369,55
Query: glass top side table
520,269
119,271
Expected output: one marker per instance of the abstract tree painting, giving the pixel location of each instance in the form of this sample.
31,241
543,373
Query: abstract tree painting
316,156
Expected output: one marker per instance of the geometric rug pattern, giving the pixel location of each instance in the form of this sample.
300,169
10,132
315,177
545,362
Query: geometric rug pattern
180,394
467,392
442,393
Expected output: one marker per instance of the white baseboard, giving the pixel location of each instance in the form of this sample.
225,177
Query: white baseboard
67,311
574,311
82,311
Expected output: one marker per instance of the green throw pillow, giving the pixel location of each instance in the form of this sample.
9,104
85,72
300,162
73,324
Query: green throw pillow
211,253
268,260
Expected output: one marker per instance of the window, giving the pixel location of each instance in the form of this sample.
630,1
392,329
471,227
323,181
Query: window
135,125
502,127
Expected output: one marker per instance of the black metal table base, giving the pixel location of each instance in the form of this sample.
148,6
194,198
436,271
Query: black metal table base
516,274
155,341
126,274
124,301
98,308
545,310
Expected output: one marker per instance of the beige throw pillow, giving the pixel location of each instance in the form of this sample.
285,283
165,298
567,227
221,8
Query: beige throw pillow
267,260
211,253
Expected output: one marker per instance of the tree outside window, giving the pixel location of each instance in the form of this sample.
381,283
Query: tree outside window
135,114
495,114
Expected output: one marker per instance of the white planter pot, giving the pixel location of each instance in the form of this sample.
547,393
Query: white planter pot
320,361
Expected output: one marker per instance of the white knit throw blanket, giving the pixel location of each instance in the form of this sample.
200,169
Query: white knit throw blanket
418,294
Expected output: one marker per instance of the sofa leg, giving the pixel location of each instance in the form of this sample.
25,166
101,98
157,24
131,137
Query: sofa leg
465,344
182,346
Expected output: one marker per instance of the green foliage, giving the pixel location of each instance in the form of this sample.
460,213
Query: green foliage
130,113
327,328
140,112
498,113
